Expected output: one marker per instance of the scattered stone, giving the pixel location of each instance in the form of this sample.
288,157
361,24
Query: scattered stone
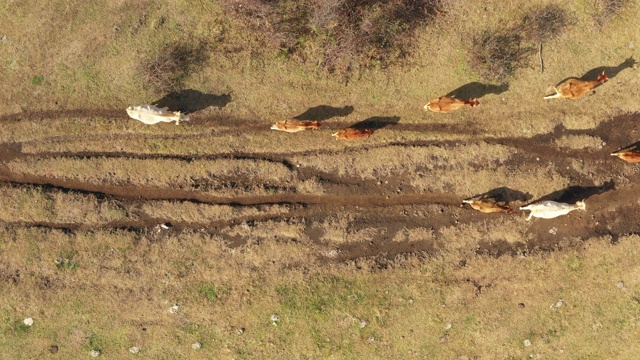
28,321
53,349
94,353
174,309
527,342
134,349
331,253
371,340
274,319
448,326
196,345
553,231
620,284
559,303
362,324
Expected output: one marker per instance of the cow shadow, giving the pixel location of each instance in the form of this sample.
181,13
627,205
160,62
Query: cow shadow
477,90
634,146
189,101
611,71
376,123
505,194
573,194
324,112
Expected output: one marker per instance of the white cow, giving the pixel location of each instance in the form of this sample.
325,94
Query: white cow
150,114
551,209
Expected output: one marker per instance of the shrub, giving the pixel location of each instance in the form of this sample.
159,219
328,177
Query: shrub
544,23
607,9
167,69
496,55
339,35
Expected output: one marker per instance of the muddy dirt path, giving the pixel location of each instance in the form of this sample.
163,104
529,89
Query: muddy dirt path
381,209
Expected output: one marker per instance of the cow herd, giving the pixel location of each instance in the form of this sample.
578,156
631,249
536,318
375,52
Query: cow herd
571,89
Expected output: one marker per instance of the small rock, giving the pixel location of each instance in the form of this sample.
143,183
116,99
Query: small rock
94,353
165,226
559,303
371,340
362,324
3,39
53,349
527,342
28,321
553,231
174,309
521,305
620,285
196,345
241,331
116,28
274,319
134,349
448,326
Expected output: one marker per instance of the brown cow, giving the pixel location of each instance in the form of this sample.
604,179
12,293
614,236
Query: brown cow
575,89
293,126
629,154
488,205
445,104
352,134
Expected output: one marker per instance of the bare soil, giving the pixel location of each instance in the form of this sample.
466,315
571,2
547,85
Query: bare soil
389,207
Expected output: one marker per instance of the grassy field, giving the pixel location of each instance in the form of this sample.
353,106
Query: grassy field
221,238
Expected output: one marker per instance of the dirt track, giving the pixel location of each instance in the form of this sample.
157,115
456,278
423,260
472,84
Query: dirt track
384,209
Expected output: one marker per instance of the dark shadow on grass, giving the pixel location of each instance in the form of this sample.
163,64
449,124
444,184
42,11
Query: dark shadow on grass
376,123
505,194
189,101
324,112
611,71
572,194
477,90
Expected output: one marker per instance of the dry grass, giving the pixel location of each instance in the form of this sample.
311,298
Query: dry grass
194,213
110,289
33,204
219,177
580,142
333,311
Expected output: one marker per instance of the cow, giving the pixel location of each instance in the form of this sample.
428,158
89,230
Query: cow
150,114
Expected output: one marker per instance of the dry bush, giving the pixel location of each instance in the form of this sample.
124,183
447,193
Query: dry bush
496,54
544,23
167,69
607,9
339,35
